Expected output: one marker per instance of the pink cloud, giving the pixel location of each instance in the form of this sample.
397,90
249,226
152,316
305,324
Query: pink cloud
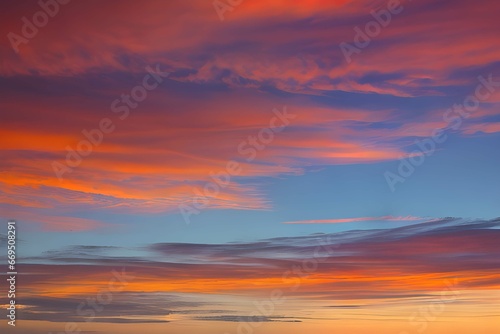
357,219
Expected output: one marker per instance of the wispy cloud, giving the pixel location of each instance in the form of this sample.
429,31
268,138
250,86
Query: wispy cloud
358,219
355,268
210,78
361,260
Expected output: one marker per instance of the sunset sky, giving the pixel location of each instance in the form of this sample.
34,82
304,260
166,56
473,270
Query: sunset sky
323,166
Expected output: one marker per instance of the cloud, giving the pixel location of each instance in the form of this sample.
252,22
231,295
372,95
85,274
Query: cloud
233,318
221,90
427,252
406,264
311,34
3,240
122,308
357,219
174,166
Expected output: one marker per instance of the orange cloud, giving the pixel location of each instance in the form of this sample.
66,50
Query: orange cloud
183,134
363,265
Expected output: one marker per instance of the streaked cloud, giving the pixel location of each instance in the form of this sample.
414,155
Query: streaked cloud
220,92
358,267
358,219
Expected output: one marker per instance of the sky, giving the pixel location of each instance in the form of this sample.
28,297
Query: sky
237,166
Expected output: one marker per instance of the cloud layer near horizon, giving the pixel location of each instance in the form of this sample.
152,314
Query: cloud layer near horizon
407,264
